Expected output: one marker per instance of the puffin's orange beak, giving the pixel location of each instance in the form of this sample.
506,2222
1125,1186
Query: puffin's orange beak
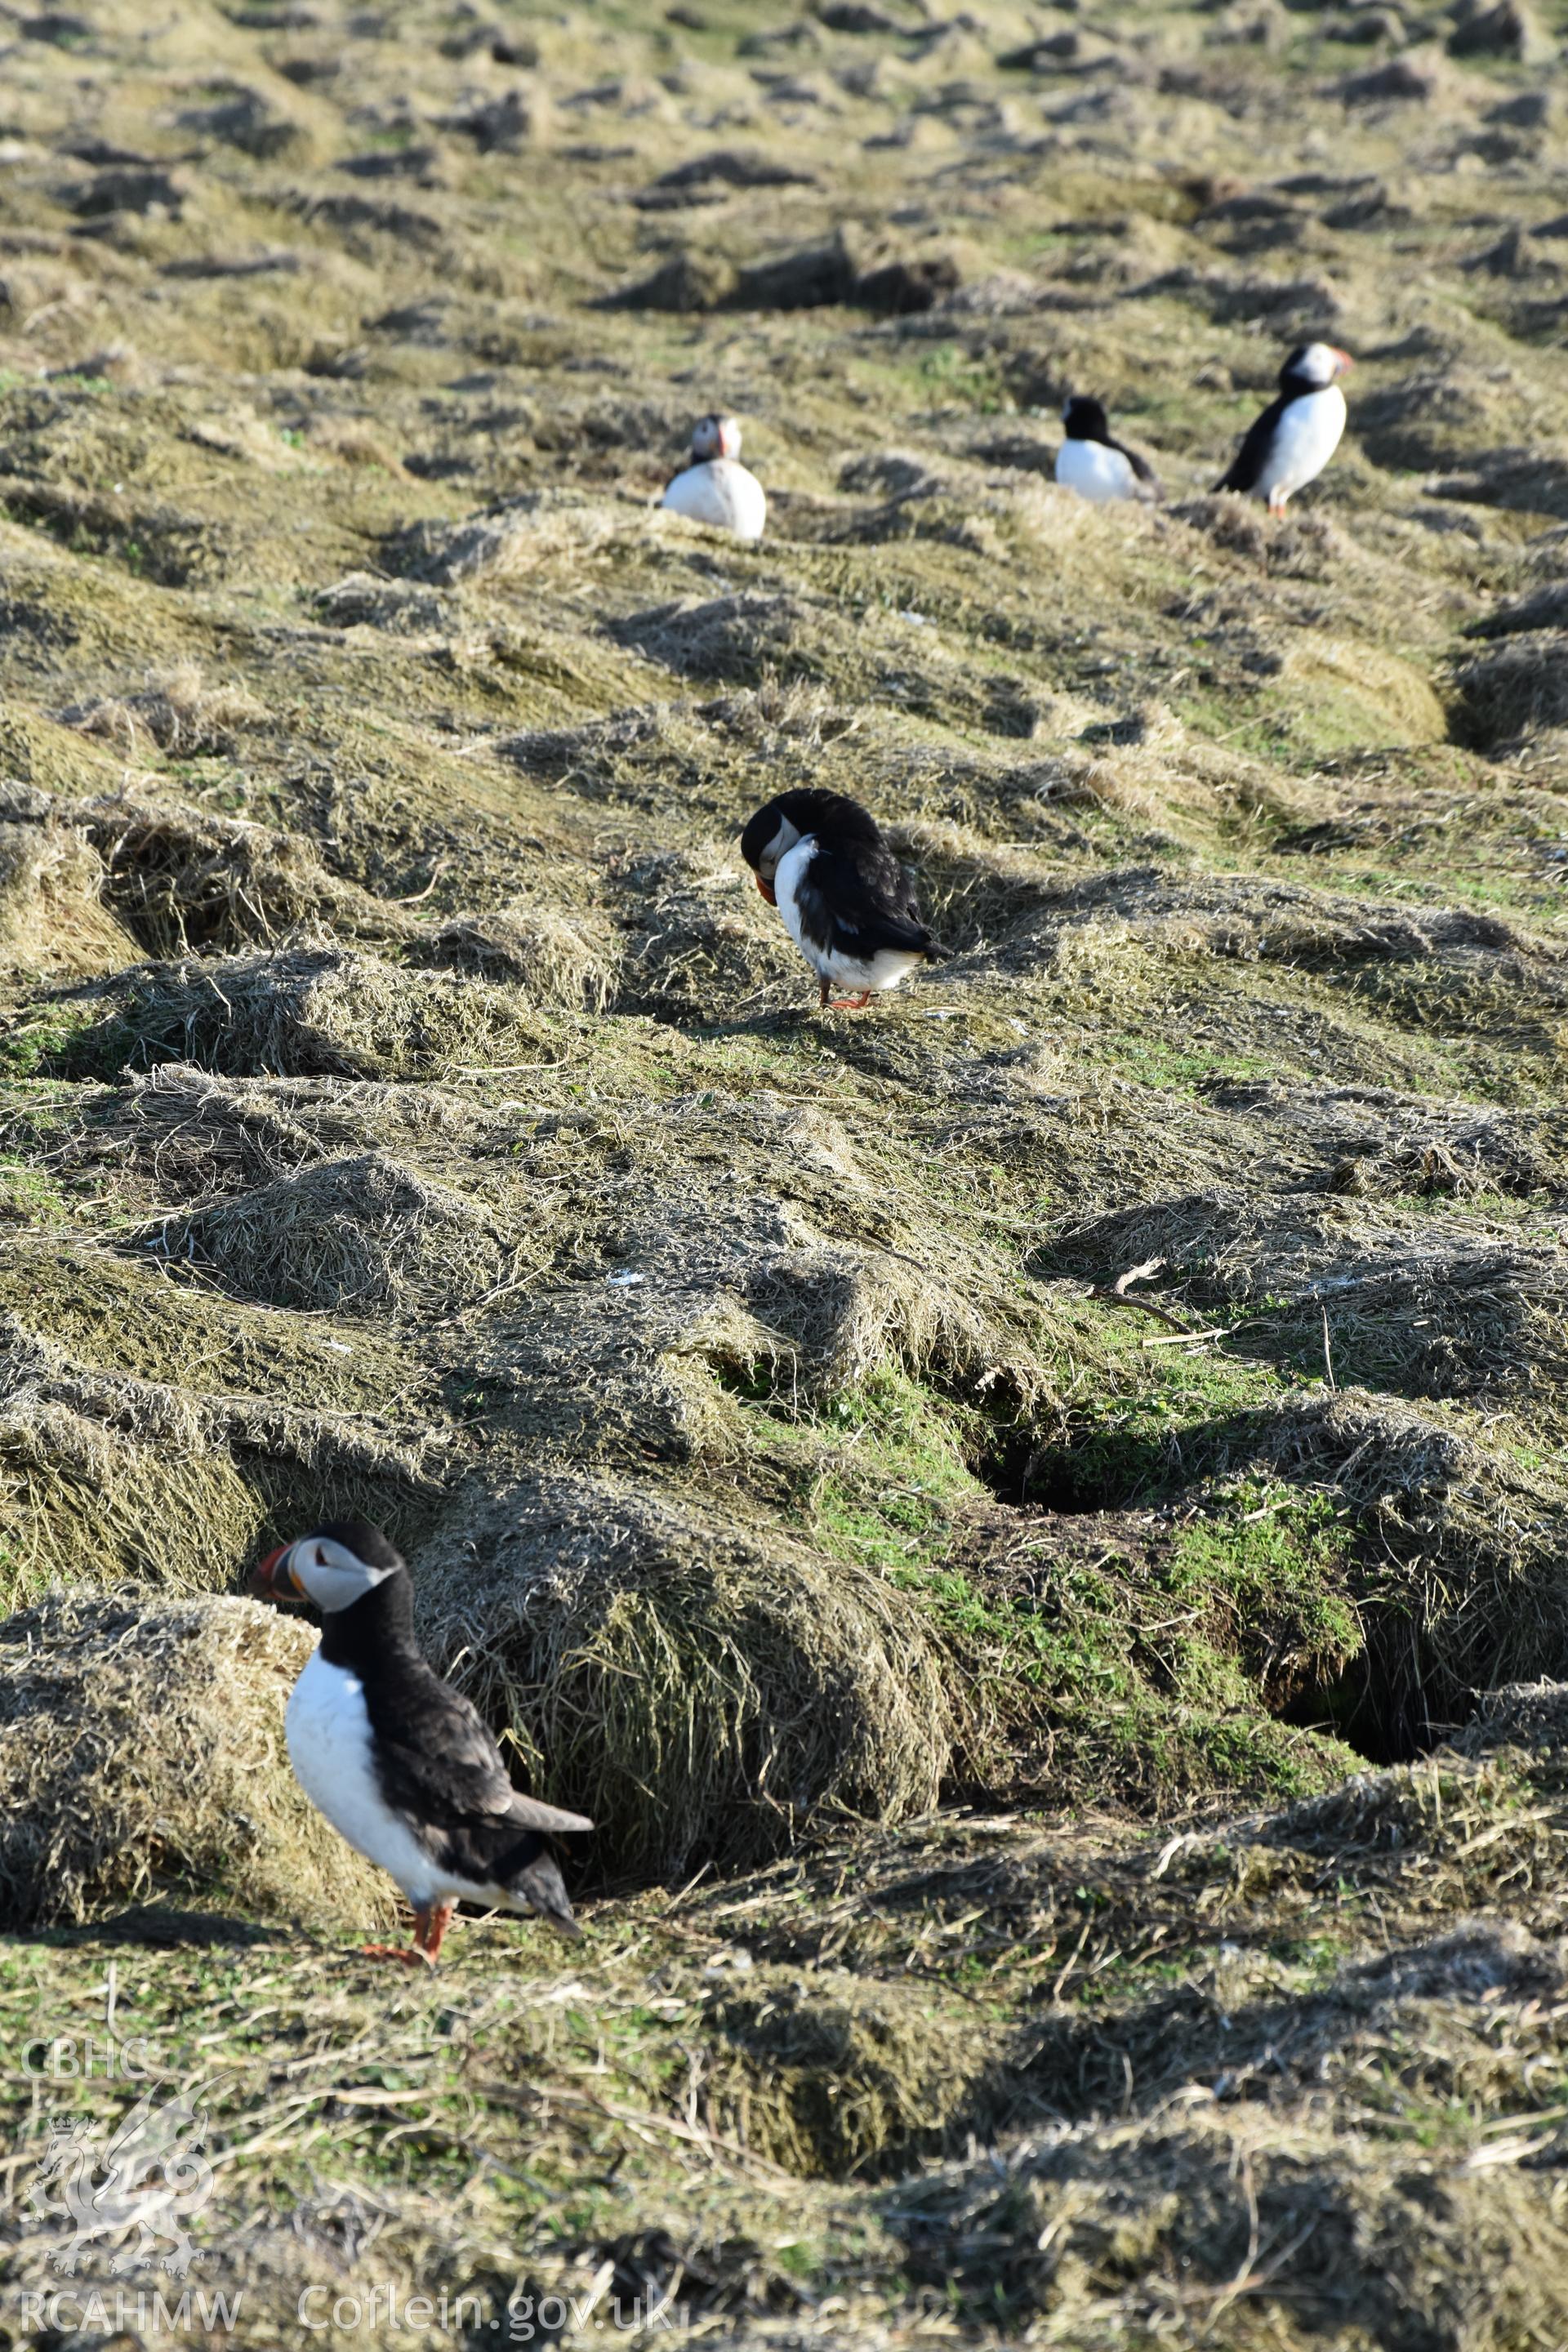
767,890
1344,359
264,1576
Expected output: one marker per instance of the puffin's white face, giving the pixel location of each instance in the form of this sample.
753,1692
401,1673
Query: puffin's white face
320,1569
1320,363
777,850
715,436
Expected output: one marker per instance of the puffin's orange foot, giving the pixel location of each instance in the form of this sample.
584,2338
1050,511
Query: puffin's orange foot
856,1003
431,1921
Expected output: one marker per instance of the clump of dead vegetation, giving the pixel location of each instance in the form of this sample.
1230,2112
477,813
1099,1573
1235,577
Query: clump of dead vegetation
693,943
177,713
109,1474
308,1013
702,1696
1516,690
356,1234
556,959
141,1756
833,2077
53,919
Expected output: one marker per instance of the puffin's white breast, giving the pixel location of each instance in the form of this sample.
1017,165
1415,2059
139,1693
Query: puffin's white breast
883,970
327,1731
1095,472
723,493
1305,438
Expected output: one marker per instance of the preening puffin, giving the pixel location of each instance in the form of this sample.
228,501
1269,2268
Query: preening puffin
1094,465
1296,434
713,487
846,902
398,1761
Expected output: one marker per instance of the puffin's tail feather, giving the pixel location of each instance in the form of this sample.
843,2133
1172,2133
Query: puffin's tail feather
937,953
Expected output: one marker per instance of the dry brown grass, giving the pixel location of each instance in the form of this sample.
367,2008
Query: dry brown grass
184,880
52,917
702,1698
1183,2227
1515,691
176,712
311,1013
142,1752
556,959
352,1235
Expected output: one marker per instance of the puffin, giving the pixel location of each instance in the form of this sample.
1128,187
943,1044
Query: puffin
822,860
713,487
398,1761
1296,434
1094,465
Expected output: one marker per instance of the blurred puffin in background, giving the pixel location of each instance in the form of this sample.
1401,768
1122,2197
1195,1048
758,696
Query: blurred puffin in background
848,904
1094,465
398,1761
1297,434
713,487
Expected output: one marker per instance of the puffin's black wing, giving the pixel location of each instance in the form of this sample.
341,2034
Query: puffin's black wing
439,1764
1252,455
1141,466
855,897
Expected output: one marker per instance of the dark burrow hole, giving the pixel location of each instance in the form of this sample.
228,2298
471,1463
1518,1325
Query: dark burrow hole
1389,1703
1382,1715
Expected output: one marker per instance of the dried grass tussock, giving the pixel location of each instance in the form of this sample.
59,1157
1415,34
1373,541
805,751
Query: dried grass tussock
141,1749
177,713
53,920
310,1012
703,1698
554,959
359,1235
105,1474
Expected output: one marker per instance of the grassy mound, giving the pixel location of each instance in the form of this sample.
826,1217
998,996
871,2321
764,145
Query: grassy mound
142,1759
1277,2234
354,1233
701,1698
54,920
184,880
306,1014
694,945
553,958
107,1474
1515,691
836,2079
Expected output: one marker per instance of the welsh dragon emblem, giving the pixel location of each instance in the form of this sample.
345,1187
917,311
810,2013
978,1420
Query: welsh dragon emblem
133,2193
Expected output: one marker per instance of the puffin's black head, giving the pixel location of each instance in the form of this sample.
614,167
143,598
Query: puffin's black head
773,833
1085,420
1312,367
333,1567
715,436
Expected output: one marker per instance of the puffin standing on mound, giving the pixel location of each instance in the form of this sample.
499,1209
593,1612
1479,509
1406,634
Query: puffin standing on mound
714,488
1094,465
848,904
1296,434
398,1761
